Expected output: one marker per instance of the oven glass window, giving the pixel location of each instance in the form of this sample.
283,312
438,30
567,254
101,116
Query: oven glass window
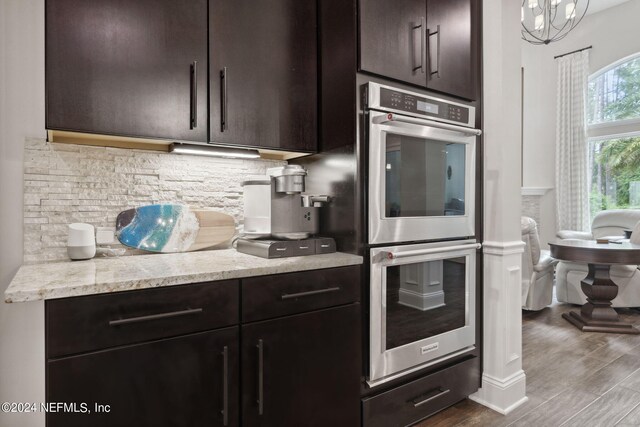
423,177
424,299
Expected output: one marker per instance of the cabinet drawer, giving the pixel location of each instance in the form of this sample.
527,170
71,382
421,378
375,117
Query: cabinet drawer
410,403
283,294
76,325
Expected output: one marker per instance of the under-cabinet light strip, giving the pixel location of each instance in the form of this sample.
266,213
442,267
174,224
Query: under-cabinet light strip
213,151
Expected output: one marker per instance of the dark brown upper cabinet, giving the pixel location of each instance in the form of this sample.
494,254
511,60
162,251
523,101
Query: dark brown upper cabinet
452,47
263,73
428,43
392,39
130,68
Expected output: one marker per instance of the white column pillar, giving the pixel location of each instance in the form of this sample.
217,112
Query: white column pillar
421,285
503,380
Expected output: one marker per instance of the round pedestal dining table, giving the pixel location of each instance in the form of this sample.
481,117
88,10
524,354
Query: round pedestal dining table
597,314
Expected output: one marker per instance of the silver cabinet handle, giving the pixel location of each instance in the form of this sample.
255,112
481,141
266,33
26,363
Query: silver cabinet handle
223,99
422,47
154,317
417,402
390,118
309,293
437,61
194,95
260,377
225,386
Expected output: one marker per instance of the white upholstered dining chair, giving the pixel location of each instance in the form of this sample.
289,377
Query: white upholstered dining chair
537,269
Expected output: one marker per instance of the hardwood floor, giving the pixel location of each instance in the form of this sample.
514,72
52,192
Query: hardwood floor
573,378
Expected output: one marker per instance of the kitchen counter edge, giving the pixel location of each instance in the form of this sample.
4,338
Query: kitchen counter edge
105,275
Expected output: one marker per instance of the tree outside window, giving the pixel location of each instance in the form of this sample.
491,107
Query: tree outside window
613,116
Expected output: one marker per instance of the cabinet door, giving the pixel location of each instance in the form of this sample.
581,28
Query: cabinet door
263,70
392,39
303,370
129,68
185,381
452,46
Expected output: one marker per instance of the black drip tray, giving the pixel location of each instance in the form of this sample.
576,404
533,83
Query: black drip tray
286,248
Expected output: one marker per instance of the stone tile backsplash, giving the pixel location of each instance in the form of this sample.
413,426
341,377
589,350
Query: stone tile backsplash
66,183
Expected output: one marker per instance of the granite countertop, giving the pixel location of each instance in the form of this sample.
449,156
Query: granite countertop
103,275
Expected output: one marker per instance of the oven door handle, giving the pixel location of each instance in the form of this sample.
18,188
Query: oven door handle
388,255
390,117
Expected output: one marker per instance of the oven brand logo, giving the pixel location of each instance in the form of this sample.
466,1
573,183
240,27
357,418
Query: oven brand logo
428,348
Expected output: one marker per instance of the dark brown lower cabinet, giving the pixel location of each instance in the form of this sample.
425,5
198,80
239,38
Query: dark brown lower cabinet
144,358
303,370
185,381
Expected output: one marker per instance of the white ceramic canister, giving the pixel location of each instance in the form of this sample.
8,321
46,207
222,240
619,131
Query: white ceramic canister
257,206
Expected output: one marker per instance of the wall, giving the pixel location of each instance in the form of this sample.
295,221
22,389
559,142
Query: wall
531,208
66,183
21,116
614,34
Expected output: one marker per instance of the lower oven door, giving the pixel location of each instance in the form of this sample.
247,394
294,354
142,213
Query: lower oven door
422,306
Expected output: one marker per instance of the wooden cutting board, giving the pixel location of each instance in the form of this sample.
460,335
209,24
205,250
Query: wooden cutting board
170,228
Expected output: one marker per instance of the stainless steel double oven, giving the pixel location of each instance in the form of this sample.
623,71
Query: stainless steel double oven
421,227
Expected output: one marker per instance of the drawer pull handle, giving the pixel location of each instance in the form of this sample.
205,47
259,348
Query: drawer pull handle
437,49
309,293
422,38
154,317
417,402
194,95
223,99
260,377
225,386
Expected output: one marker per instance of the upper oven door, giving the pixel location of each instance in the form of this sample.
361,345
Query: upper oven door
421,179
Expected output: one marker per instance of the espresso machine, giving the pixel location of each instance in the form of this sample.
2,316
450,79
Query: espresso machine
279,220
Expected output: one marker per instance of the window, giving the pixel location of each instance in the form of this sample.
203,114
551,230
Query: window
613,119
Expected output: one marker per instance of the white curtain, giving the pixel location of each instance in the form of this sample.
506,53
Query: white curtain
572,167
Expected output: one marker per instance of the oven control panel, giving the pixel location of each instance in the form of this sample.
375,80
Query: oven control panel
425,106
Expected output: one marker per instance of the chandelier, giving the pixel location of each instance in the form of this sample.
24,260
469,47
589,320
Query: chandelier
546,21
